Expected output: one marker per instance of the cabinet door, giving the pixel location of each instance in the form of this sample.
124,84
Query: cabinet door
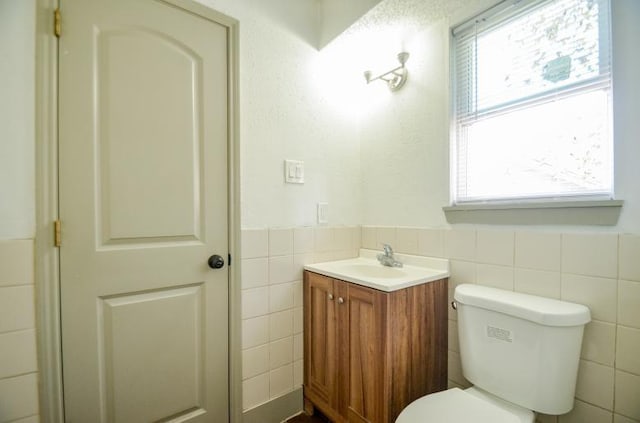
320,355
366,339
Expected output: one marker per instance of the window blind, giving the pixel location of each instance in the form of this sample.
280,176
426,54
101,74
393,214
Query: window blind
523,66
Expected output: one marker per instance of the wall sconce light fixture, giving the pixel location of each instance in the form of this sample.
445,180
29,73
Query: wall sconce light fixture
394,78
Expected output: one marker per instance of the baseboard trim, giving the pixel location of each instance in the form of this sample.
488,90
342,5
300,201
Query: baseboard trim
276,410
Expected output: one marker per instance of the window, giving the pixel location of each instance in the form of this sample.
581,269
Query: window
532,99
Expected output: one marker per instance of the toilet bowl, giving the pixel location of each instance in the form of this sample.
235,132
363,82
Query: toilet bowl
520,351
470,405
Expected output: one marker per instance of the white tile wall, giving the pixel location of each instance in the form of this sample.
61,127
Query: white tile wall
255,391
18,353
343,239
280,381
595,384
617,418
586,413
629,253
280,352
537,282
255,361
369,237
298,347
18,362
298,373
272,325
453,336
495,276
431,242
255,302
590,254
385,235
32,419
628,350
303,240
599,294
407,241
628,302
16,262
599,342
19,397
455,369
538,250
255,331
255,272
281,270
495,247
280,325
255,243
280,242
460,244
543,418
323,239
280,297
17,308
297,320
461,272
601,271
627,395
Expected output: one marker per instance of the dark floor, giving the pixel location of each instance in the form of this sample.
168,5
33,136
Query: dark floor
304,418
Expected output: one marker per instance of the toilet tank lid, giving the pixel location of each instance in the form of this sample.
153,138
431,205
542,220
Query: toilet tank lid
544,311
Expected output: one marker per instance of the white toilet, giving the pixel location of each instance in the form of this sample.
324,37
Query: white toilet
520,351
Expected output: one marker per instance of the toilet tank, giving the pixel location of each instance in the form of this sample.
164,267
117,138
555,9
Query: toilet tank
522,348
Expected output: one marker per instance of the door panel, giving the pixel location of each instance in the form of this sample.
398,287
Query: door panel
143,144
366,354
320,324
137,69
166,327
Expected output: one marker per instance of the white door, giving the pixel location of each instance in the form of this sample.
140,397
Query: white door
143,202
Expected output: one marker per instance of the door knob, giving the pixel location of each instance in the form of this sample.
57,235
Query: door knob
215,262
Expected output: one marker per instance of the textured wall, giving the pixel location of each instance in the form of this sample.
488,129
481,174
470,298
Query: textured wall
18,363
17,109
337,15
285,114
405,138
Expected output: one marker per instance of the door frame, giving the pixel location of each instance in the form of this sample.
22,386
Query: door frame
47,259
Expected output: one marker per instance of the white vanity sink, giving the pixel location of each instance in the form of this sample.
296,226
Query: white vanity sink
367,271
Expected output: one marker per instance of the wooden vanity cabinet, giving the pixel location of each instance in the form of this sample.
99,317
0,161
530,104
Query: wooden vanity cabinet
369,353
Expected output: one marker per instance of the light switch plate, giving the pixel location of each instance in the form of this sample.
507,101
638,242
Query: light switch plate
294,171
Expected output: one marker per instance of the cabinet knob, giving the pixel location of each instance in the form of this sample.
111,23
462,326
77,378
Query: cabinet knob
340,300
330,297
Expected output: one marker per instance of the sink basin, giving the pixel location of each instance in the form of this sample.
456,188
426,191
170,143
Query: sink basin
367,271
374,270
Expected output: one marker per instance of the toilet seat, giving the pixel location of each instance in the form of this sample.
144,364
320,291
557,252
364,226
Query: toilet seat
458,406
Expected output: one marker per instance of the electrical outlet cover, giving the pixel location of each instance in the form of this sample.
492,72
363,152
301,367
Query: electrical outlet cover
323,213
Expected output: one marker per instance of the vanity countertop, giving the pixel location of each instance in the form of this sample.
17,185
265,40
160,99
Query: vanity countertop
365,270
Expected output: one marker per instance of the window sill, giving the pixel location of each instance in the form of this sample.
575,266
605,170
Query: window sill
598,212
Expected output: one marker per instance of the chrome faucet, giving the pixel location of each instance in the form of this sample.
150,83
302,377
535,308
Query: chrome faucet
387,259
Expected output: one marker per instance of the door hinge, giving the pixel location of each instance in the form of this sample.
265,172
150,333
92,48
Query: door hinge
57,24
57,233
